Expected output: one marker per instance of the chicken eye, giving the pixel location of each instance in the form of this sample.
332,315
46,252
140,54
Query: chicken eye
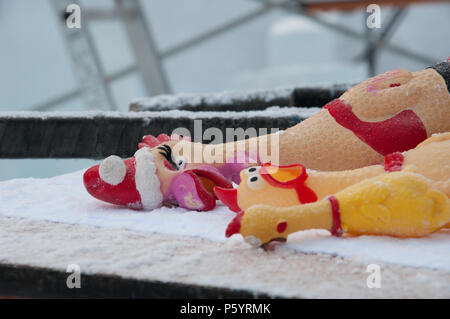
255,182
252,170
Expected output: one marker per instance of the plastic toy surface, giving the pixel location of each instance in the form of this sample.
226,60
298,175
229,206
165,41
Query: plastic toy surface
402,204
392,112
154,177
291,185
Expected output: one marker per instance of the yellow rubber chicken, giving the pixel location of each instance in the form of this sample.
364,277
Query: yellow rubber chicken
402,204
285,186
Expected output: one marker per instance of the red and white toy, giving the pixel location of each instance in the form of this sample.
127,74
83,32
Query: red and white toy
154,176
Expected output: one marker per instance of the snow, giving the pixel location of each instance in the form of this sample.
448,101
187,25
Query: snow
174,101
63,199
265,96
273,111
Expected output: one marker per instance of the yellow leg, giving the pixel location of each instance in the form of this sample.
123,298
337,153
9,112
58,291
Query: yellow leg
399,204
265,223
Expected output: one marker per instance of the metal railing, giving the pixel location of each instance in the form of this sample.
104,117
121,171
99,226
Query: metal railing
94,84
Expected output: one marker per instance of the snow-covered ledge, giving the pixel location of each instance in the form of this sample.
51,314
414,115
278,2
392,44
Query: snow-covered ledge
197,267
98,134
301,96
52,223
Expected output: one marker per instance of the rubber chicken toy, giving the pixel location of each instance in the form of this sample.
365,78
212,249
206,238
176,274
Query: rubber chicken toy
401,204
392,112
284,186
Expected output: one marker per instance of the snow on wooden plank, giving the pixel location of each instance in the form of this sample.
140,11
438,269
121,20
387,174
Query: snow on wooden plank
100,134
313,96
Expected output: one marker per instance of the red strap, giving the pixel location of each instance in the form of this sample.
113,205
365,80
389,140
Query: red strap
402,132
336,229
393,162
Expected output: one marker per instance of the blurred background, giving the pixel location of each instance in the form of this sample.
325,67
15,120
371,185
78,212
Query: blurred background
127,49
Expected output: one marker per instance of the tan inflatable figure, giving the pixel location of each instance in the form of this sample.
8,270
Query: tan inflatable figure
392,112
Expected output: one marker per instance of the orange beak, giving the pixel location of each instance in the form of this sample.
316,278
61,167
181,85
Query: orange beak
228,197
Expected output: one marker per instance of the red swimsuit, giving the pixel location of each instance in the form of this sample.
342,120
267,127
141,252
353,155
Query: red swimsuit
399,133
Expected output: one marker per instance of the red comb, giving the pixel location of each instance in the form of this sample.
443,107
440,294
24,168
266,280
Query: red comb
151,141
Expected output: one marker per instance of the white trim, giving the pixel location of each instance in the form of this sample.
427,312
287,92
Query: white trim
147,181
112,170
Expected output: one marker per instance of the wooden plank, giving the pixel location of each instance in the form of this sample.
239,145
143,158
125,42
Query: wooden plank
20,281
99,134
46,135
243,101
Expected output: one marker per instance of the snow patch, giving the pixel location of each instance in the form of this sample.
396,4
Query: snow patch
147,116
174,101
63,199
